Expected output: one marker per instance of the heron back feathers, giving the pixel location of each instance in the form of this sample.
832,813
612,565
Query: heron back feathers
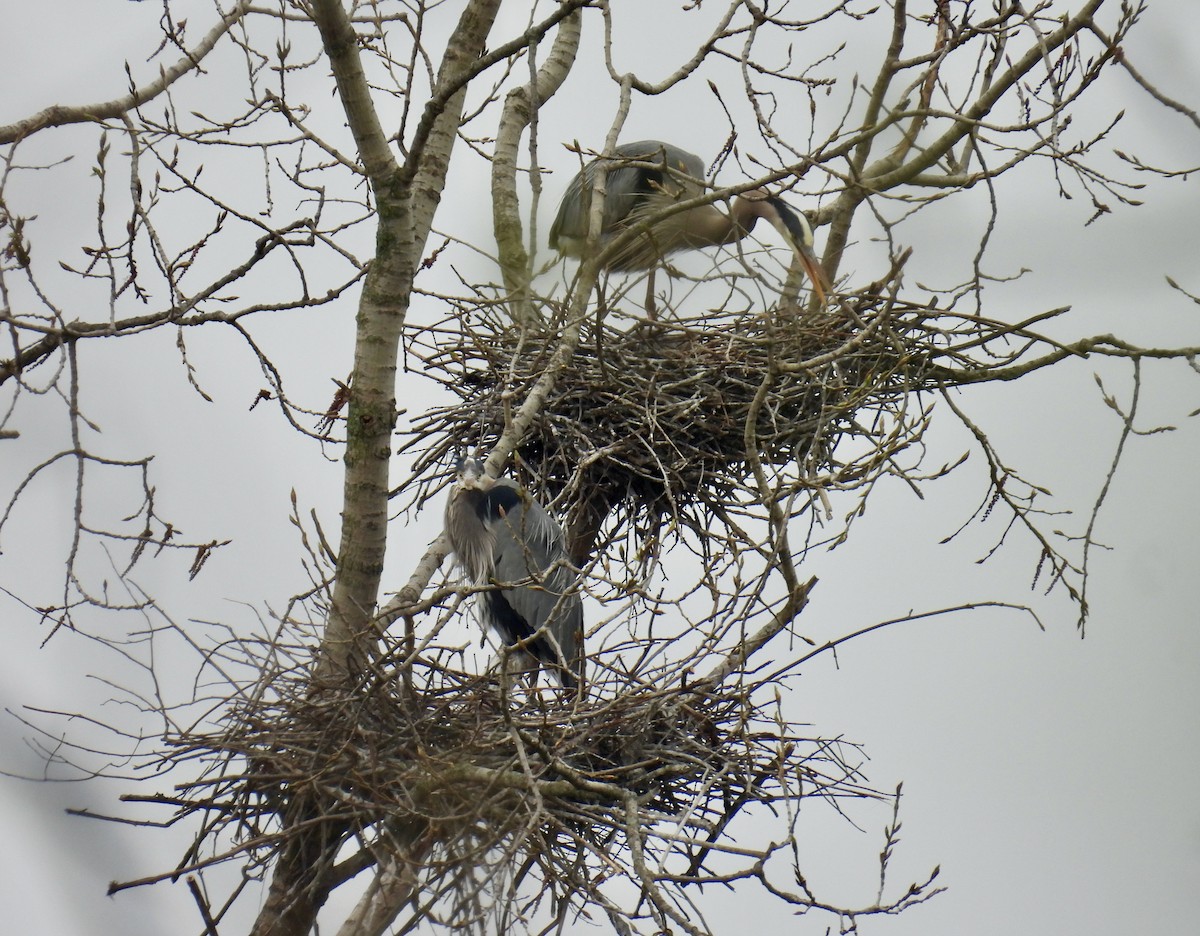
632,193
501,535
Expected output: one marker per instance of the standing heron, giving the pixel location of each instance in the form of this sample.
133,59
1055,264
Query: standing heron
504,538
648,177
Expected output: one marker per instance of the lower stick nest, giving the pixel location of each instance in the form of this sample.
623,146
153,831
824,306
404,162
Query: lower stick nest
448,762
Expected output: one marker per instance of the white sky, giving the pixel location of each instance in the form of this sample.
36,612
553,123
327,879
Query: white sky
1053,779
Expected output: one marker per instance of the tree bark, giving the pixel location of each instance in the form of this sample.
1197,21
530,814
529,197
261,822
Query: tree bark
406,197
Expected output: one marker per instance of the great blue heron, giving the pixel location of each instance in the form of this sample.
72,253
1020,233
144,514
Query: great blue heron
647,177
503,537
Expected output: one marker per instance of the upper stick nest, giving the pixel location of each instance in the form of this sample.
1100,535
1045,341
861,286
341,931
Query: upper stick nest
668,419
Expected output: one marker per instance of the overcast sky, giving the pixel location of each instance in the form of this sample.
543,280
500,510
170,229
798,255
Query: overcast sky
1053,779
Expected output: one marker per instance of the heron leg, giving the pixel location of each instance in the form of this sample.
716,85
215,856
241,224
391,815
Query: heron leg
601,312
520,670
650,306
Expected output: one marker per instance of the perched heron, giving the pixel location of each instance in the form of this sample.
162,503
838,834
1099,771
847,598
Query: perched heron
647,177
503,537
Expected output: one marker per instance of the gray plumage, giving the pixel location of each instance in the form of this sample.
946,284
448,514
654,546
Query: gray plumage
668,175
500,535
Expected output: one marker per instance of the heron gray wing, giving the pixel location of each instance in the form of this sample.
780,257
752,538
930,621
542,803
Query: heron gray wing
636,190
522,551
568,233
627,188
566,621
529,546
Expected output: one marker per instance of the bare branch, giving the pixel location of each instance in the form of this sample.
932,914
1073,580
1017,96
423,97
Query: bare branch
59,115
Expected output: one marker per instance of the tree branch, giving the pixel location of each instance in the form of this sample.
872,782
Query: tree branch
60,116
520,107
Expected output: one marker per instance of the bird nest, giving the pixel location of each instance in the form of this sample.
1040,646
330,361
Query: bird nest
483,791
682,420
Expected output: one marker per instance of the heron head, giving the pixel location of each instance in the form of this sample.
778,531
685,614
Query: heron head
471,475
794,226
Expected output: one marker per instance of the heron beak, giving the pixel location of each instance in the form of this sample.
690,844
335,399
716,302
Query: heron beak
815,272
